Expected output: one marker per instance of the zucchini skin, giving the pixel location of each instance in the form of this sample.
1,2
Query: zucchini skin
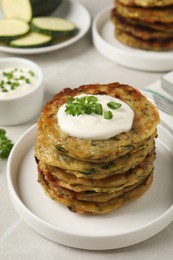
7,38
43,43
54,33
36,1
11,44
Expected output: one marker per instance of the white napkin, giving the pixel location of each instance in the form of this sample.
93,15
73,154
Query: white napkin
166,119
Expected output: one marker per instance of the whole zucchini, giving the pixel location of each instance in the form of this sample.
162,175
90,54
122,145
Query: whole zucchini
46,7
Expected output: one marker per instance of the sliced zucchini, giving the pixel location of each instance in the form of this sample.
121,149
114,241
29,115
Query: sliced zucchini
32,40
53,26
43,8
20,9
12,28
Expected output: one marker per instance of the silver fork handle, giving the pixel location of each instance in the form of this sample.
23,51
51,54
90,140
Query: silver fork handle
159,95
166,86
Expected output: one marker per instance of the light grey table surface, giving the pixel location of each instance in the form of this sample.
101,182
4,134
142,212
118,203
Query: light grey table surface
72,66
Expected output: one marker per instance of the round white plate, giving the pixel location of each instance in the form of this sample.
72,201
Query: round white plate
105,42
69,10
128,225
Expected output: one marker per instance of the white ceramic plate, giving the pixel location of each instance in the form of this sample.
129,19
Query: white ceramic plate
128,225
69,10
105,42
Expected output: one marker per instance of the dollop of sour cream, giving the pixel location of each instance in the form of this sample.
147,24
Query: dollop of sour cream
96,127
15,81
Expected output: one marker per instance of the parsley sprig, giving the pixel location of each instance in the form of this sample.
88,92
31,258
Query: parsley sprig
5,144
83,105
87,105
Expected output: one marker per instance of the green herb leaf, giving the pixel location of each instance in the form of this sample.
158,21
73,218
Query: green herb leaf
27,81
83,105
108,115
21,78
31,73
9,75
113,105
91,99
88,105
5,144
98,109
4,90
14,85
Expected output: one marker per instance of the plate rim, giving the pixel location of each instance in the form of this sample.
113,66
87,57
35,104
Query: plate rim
58,46
37,223
103,46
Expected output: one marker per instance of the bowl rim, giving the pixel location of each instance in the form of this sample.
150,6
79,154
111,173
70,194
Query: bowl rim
23,61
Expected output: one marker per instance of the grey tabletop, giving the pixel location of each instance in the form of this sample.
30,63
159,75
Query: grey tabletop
73,66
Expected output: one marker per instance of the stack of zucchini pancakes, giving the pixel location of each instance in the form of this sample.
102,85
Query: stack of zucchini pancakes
144,24
97,176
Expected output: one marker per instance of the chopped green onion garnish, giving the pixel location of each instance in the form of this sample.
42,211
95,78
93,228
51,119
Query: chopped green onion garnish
108,115
10,80
98,109
27,81
9,75
88,105
31,73
113,105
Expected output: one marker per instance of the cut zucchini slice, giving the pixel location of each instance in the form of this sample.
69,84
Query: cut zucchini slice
20,9
12,28
32,40
53,26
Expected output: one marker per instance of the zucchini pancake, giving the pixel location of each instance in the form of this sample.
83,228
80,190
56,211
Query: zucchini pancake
95,147
144,24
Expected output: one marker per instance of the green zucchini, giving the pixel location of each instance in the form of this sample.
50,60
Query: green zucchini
53,26
36,1
20,9
32,40
43,8
12,28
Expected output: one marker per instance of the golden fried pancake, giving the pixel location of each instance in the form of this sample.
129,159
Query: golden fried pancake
68,198
146,3
135,42
90,170
140,31
50,135
159,26
93,196
147,15
110,184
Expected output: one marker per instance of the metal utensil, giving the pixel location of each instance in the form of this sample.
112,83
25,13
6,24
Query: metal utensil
167,86
164,104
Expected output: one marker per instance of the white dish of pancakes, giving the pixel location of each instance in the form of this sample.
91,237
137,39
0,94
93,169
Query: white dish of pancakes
105,42
131,224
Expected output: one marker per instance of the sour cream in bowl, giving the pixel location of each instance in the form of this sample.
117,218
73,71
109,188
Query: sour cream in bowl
21,90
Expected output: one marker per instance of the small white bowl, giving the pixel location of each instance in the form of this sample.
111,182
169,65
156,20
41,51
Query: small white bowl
23,106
